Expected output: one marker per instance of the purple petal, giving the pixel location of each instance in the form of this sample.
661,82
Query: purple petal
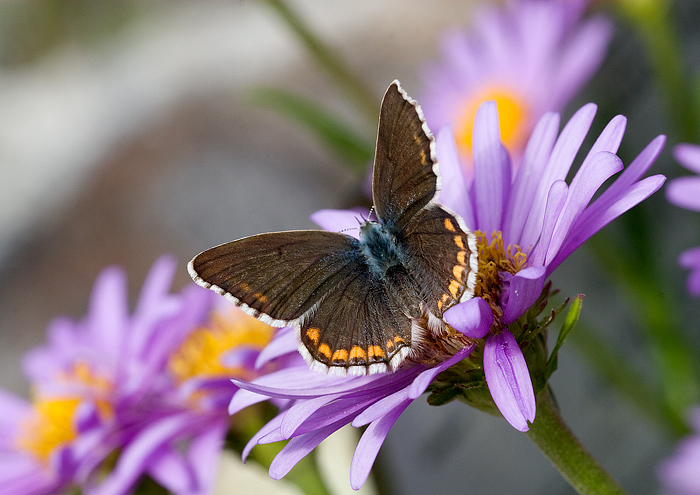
560,160
690,259
538,148
525,287
684,192
425,378
491,169
473,318
381,408
688,155
583,230
508,380
298,448
283,343
592,174
639,166
269,427
453,189
170,470
136,454
346,221
556,198
369,445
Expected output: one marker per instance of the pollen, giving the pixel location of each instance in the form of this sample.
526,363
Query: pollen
513,114
202,352
495,259
48,427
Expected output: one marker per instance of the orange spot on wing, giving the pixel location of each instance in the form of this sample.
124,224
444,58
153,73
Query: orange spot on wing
325,350
462,257
454,288
376,351
459,242
458,272
340,355
260,297
313,334
449,225
357,353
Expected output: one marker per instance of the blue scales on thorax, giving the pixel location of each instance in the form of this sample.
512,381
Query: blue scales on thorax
385,260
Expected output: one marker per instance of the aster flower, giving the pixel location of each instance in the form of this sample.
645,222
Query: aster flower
152,385
685,192
679,472
527,224
529,56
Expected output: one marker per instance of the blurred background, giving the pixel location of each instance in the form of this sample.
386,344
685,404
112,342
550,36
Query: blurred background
129,130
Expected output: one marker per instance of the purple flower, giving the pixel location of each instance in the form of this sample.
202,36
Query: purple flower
679,474
318,405
152,385
529,56
527,223
685,192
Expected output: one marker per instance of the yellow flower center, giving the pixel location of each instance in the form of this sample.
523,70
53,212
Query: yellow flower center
200,355
49,426
51,423
512,116
495,259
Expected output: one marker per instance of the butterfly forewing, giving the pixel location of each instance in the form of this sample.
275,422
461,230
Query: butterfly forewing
441,253
405,178
280,276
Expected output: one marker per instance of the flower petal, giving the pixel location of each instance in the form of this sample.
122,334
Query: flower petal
690,259
508,380
473,318
684,192
491,169
688,155
370,443
346,221
453,189
525,287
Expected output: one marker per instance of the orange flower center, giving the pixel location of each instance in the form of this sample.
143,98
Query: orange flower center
512,114
200,355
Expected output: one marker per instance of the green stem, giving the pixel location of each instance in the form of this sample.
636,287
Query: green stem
363,96
565,452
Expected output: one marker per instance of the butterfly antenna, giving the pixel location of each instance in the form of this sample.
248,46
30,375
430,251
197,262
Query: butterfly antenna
371,210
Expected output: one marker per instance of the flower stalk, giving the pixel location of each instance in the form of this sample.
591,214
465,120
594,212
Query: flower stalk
559,444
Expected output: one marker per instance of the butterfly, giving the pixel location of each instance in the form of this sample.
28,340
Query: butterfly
355,303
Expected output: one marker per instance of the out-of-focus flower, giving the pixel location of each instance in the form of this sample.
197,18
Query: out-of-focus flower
679,473
526,223
529,56
119,395
685,192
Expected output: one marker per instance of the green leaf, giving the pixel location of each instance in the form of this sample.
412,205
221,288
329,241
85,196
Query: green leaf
340,138
566,328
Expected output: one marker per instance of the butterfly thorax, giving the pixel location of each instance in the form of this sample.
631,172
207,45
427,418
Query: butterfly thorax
379,247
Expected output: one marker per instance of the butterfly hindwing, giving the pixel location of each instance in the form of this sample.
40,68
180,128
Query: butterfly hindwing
405,178
360,329
277,277
441,253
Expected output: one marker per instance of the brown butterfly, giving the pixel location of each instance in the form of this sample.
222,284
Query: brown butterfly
353,302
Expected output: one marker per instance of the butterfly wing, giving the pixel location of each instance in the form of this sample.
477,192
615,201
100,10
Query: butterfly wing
277,277
442,254
405,165
360,330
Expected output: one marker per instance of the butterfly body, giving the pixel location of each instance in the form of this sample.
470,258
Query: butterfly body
355,302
